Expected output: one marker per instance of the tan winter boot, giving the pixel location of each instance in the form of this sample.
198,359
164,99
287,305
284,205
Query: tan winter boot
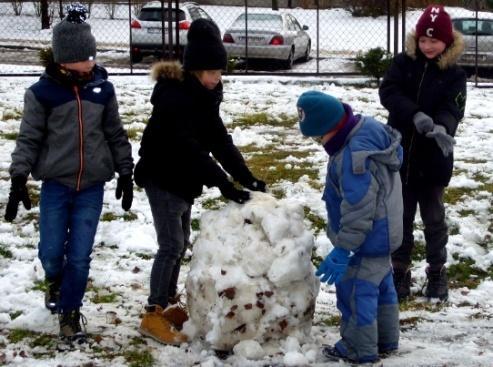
176,312
155,326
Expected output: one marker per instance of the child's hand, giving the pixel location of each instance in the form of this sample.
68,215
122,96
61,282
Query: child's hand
333,268
231,193
444,141
256,185
125,186
423,122
18,193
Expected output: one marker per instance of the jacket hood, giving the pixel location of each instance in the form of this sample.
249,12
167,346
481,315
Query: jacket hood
100,75
381,147
167,70
449,56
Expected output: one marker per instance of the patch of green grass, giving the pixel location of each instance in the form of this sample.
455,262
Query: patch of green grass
466,212
270,167
104,298
110,216
409,323
139,358
318,223
195,224
419,251
278,193
17,335
263,118
465,274
137,341
14,114
129,216
474,161
34,195
5,252
31,217
316,259
40,285
455,194
9,136
15,314
412,305
454,229
333,320
43,340
144,256
134,134
212,204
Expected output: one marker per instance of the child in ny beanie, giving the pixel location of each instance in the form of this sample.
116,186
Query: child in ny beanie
424,91
364,213
175,163
71,138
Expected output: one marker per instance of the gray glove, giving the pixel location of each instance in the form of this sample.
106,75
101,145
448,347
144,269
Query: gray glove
423,122
444,141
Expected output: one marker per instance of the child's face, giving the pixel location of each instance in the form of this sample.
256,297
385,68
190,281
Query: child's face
431,47
82,67
210,78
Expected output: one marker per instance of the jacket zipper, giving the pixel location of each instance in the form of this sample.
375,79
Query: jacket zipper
408,170
81,138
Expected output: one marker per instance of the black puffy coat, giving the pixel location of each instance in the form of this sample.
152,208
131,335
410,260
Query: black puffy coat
436,87
184,128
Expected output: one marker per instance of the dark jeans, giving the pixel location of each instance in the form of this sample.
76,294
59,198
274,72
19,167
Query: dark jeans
432,210
171,215
68,223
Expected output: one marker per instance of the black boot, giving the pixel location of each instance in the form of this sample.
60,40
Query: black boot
70,326
437,282
52,294
402,280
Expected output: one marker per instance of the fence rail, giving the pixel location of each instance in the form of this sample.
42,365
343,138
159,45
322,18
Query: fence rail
302,37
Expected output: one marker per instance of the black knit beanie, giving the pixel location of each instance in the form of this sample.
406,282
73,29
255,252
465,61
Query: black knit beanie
204,49
72,38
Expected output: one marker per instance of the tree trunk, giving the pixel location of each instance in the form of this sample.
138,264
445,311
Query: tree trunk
45,18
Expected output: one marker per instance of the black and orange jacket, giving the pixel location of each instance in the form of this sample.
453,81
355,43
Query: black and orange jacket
71,133
436,87
184,129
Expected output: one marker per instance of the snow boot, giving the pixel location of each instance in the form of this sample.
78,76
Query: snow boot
437,282
332,354
402,280
155,326
52,294
176,312
70,326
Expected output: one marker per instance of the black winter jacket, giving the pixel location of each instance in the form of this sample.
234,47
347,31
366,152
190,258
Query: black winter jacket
184,128
436,87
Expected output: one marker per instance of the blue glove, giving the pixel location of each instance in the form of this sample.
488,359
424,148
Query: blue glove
333,268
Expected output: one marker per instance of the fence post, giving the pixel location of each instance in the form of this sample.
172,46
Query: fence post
130,35
403,20
317,4
396,27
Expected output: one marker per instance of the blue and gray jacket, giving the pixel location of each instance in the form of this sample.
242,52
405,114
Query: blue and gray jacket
363,190
71,133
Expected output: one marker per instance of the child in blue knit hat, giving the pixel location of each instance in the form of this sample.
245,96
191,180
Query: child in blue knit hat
364,205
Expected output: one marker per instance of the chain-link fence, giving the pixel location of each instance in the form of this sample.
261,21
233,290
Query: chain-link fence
311,37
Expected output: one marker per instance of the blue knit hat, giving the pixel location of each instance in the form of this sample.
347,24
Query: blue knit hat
319,113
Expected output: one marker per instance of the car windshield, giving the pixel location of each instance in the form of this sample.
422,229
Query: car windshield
468,27
269,21
154,14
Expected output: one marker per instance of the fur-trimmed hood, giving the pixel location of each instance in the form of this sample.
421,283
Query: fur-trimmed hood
449,56
167,70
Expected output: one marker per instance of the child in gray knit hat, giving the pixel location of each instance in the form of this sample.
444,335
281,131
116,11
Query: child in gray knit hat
72,139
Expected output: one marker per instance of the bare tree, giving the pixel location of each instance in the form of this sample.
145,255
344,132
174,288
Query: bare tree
17,7
110,8
45,16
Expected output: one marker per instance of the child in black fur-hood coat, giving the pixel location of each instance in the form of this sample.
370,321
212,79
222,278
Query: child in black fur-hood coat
175,163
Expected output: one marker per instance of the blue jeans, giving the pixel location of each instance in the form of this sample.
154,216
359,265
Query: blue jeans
68,223
171,215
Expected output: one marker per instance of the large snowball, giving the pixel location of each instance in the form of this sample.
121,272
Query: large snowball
251,276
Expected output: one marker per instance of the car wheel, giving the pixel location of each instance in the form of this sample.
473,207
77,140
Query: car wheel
136,57
306,56
288,64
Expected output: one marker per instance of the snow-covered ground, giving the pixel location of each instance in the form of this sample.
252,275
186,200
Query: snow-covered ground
459,333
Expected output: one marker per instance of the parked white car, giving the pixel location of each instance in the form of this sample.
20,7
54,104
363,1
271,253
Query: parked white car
268,35
147,31
483,32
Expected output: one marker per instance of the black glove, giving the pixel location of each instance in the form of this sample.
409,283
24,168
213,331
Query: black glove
18,193
423,122
231,193
256,185
125,185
